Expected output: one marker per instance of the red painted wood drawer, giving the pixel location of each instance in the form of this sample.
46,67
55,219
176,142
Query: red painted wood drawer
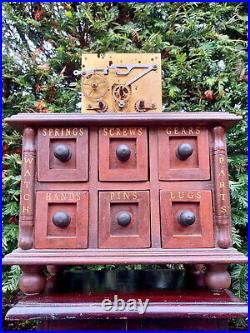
186,219
123,154
61,219
124,219
63,154
183,153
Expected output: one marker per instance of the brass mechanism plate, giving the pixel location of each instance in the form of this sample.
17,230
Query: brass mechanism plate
121,82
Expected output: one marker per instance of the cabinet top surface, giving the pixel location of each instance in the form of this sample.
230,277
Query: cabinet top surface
22,120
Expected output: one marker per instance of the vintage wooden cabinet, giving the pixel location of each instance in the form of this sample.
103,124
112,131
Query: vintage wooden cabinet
124,189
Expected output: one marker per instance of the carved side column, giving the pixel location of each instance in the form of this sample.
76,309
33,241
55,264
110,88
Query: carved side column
221,190
27,200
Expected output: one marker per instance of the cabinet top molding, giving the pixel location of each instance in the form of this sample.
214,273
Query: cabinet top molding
23,120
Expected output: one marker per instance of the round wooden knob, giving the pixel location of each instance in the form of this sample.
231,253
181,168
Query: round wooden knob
61,219
186,218
184,151
62,152
123,152
123,218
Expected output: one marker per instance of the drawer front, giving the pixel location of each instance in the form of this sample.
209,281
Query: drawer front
183,153
61,219
124,219
63,154
186,219
123,154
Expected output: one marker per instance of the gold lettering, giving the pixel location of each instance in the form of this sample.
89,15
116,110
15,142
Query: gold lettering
190,131
183,131
223,209
118,131
44,130
172,196
105,131
75,131
111,132
26,184
134,195
48,196
132,131
126,195
197,131
56,197
221,160
64,196
56,132
26,197
27,173
181,195
81,131
222,173
119,195
50,131
176,130
198,194
28,160
25,209
112,195
169,130
222,195
140,131
190,195
124,132
222,184
67,131
78,196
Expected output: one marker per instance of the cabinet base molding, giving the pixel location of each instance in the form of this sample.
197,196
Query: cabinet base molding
121,256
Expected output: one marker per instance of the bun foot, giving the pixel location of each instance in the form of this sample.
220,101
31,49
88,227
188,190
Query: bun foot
33,280
217,277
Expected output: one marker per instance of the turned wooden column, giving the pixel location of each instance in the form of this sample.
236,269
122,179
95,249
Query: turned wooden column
33,279
221,190
27,197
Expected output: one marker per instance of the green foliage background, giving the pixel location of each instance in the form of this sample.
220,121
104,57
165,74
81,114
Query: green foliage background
204,68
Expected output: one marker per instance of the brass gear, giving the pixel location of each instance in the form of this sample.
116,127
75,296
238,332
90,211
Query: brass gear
121,92
94,86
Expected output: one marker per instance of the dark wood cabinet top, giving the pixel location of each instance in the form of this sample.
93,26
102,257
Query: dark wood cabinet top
224,119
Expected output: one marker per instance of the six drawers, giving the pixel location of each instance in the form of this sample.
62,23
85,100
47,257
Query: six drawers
186,219
123,154
183,153
124,219
124,216
63,154
61,219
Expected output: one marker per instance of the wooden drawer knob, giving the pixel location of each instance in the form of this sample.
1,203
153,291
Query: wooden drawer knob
61,219
62,152
123,152
186,218
184,151
123,218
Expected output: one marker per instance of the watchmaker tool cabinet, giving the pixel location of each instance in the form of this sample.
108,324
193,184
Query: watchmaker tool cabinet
141,187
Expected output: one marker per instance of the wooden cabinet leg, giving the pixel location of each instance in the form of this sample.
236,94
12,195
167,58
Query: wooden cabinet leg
217,277
33,279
